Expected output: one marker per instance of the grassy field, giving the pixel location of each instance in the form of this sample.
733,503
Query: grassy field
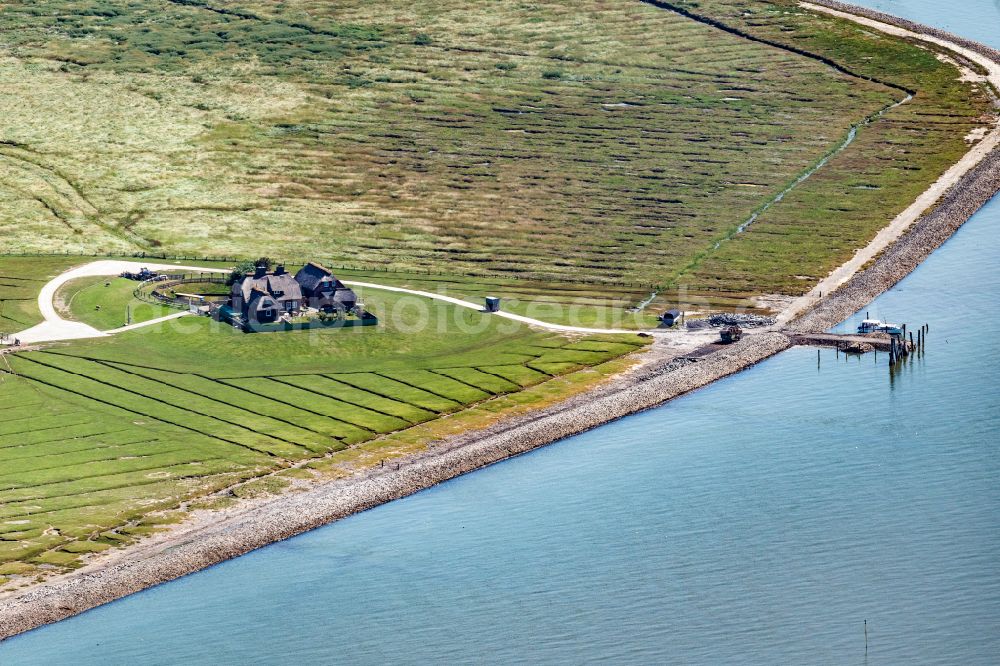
21,278
573,141
820,224
580,304
103,440
105,303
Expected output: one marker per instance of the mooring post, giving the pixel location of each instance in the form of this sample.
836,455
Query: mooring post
912,346
866,636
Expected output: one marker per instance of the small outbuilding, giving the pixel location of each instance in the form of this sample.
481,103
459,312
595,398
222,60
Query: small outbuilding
670,317
492,304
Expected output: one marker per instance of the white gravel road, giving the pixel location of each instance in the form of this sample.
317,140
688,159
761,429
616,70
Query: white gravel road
56,328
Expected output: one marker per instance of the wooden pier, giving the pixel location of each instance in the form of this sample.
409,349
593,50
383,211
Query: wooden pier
844,342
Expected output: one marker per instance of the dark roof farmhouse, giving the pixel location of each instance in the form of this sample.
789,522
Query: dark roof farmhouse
323,290
264,297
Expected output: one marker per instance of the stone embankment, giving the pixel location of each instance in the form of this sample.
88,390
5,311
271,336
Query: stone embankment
293,514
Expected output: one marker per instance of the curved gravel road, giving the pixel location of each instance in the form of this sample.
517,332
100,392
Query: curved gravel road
56,328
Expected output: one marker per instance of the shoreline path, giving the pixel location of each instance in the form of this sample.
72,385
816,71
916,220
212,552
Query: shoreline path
930,197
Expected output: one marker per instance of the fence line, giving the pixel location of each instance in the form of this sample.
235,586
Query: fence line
147,291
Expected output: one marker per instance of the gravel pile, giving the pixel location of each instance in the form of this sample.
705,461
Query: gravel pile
742,320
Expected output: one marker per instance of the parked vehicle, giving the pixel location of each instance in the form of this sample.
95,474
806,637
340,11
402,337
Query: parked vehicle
731,334
142,275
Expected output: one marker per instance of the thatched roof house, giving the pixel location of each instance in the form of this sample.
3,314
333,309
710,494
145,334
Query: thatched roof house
322,290
264,297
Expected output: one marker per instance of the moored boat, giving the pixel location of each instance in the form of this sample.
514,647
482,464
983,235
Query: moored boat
879,326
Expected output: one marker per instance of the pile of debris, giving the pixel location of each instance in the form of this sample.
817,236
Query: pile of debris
742,320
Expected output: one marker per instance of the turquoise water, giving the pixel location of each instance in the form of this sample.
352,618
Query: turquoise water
760,520
975,19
